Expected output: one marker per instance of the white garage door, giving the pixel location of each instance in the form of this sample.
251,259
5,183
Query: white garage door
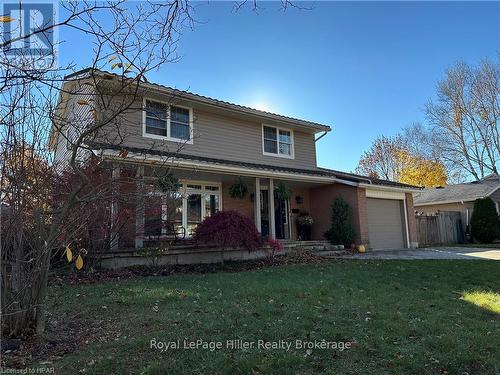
385,223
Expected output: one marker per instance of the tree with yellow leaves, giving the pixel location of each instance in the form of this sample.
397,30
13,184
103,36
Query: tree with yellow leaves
392,158
416,170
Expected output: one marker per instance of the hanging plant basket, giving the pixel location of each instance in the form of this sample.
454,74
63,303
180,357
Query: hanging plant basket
168,183
239,189
282,192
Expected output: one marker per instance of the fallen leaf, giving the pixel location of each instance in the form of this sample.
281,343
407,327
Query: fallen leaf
69,254
79,262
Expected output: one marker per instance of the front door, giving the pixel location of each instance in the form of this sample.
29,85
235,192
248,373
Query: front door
264,213
281,217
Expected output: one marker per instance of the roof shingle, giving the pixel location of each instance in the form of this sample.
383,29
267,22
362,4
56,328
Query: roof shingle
469,191
312,172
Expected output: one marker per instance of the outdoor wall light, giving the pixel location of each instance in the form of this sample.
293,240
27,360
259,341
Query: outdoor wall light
299,199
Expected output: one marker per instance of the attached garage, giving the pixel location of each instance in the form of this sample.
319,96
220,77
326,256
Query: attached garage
386,223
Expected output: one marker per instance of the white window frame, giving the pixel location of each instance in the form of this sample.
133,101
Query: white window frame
278,155
203,192
167,137
185,191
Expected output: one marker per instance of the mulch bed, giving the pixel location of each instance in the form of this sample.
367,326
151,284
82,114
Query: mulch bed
63,335
81,277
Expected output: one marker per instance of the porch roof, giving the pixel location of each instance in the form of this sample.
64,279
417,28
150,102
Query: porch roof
125,152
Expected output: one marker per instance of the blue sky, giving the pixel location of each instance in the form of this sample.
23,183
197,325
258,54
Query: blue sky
365,68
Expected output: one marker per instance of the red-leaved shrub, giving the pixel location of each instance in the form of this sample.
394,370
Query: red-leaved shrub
276,246
228,229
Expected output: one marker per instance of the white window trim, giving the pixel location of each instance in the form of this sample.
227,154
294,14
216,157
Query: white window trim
185,191
203,192
167,137
278,155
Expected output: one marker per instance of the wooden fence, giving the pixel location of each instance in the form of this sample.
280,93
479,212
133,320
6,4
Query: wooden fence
443,228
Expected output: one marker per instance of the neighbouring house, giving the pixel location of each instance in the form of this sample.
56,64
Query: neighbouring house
209,145
458,197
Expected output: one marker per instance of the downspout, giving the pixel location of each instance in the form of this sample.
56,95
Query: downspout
321,136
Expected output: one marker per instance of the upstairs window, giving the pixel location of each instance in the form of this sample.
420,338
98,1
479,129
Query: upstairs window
277,141
170,122
179,123
156,118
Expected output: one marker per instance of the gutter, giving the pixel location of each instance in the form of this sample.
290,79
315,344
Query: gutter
212,167
389,188
442,202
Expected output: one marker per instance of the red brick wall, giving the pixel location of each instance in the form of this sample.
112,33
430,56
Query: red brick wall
321,199
305,205
412,226
244,206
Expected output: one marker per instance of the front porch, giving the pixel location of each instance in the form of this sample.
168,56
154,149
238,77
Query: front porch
159,219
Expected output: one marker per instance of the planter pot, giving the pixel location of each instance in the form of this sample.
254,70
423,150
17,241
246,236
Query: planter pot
304,232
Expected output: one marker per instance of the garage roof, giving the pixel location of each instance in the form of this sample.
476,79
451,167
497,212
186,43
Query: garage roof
466,192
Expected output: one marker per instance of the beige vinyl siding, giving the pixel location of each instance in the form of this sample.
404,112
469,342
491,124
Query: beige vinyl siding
77,117
221,136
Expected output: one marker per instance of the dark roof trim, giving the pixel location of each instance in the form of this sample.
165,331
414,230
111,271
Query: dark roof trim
215,102
322,172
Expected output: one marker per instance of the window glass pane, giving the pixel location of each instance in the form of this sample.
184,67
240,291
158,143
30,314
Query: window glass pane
156,118
179,131
269,133
179,114
285,149
155,126
156,131
270,146
212,188
211,204
156,110
155,123
193,212
152,215
173,206
196,187
285,136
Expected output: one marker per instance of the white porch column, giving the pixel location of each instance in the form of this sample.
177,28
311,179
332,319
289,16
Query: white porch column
257,204
139,208
115,175
272,223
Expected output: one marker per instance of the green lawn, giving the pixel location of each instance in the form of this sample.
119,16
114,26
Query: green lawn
411,317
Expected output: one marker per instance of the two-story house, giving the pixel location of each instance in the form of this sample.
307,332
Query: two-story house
211,144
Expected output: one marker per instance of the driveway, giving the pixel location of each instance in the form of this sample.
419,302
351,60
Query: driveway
431,253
